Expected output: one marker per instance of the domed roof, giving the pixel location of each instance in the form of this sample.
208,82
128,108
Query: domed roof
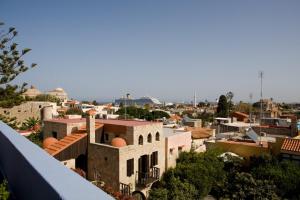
118,142
60,90
32,92
49,141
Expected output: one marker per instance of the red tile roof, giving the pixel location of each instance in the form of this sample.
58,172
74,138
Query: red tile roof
64,143
291,145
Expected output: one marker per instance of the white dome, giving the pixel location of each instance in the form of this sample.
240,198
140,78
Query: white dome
59,90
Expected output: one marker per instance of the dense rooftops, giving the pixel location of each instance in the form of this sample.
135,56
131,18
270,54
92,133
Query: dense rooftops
129,123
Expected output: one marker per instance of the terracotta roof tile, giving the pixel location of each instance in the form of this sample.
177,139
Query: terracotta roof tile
64,143
292,145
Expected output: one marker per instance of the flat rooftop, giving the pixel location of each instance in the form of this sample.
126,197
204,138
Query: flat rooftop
129,123
173,131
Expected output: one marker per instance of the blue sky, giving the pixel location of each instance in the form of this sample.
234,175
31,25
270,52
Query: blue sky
166,49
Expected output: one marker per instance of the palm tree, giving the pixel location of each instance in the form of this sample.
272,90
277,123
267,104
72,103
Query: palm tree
32,124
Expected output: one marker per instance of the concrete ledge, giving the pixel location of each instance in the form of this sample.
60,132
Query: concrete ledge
33,174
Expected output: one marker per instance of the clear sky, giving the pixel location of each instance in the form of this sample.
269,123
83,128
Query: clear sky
166,49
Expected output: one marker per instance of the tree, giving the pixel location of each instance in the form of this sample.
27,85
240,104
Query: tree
45,97
159,193
4,193
11,65
31,124
229,97
222,109
9,121
36,138
285,175
95,103
245,186
243,107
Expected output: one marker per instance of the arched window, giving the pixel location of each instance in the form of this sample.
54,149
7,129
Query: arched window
149,139
141,140
157,136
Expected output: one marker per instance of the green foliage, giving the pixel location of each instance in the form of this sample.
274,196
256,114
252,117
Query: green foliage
198,174
229,97
4,193
30,123
243,107
9,121
222,109
11,65
140,113
36,138
159,193
10,96
245,186
45,97
285,175
195,175
74,111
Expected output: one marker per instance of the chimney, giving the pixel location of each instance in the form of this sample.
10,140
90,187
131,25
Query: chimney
90,125
294,127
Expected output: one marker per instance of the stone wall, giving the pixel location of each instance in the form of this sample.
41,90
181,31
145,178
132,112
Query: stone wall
103,164
62,129
275,130
27,110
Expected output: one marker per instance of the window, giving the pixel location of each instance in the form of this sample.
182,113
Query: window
54,134
154,159
157,136
141,140
130,167
149,139
171,151
40,106
106,136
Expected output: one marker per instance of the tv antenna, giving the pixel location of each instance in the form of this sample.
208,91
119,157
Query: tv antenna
261,76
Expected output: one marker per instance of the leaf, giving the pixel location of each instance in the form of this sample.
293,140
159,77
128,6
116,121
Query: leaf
13,46
26,50
33,65
11,29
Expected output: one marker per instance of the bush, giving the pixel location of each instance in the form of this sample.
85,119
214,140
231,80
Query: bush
4,193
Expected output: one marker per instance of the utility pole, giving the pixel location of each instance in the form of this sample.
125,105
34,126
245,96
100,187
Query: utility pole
261,75
250,114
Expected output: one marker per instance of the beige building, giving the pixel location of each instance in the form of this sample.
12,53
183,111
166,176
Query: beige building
32,92
177,141
59,93
29,109
126,155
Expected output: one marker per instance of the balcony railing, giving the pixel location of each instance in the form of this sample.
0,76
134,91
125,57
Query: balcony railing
125,189
146,178
33,174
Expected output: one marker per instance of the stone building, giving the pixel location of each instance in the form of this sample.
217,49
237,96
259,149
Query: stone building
32,92
29,109
59,93
127,155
